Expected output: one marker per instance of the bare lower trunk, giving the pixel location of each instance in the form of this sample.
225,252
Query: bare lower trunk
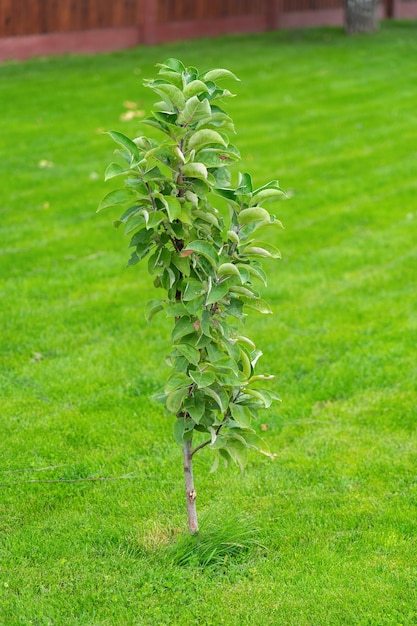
190,492
361,16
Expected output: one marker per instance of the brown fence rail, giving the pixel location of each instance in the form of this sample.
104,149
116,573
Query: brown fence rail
34,27
311,5
29,17
184,10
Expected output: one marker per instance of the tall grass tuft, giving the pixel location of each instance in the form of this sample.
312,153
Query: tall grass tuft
216,543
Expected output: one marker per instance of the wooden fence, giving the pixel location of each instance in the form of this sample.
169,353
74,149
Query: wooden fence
38,27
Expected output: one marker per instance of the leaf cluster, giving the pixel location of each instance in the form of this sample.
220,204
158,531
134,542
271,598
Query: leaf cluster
207,266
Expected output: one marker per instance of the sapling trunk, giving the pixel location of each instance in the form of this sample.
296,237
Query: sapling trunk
190,492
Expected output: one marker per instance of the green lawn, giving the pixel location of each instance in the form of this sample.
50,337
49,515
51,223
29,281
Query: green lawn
334,118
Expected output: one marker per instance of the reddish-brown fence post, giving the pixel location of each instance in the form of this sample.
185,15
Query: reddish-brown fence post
149,21
273,14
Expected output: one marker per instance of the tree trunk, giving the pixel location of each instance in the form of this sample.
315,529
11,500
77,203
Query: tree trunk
190,492
361,16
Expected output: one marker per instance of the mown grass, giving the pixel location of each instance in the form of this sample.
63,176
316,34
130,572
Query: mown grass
334,119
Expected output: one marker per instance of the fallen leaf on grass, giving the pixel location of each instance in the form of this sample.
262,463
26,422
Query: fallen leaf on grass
130,105
130,115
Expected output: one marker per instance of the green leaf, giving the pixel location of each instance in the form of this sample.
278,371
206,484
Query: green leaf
246,342
215,157
266,194
201,188
238,291
206,323
228,269
203,379
134,222
273,184
173,206
194,88
229,194
220,401
262,396
235,308
176,310
183,327
238,451
114,169
245,184
256,442
173,65
221,177
154,174
242,415
257,272
155,123
219,74
183,429
153,307
253,214
116,198
254,357
207,217
195,406
191,354
126,143
185,216
216,293
204,137
193,289
132,210
227,365
194,306
175,398
233,236
217,119
258,377
136,183
177,380
133,260
205,249
171,92
215,465
246,363
259,305
142,238
195,170
154,218
214,352
263,250
194,111
181,263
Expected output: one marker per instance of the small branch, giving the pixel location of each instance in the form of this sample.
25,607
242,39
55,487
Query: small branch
207,443
202,445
